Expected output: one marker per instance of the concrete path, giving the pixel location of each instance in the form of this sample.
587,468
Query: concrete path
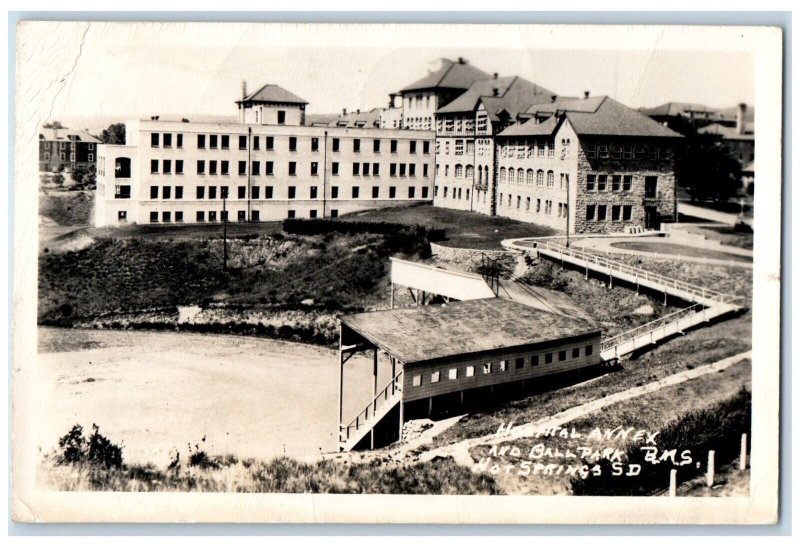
460,451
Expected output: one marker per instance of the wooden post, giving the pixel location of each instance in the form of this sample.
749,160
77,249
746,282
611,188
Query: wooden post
462,398
341,379
374,396
430,406
673,483
391,298
743,453
394,373
400,432
710,469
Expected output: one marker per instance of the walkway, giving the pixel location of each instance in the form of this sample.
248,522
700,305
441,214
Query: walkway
711,214
460,451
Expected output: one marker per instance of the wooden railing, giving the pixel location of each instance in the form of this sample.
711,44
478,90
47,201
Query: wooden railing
387,394
652,326
613,266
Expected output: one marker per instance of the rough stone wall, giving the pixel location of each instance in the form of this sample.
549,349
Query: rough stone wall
469,260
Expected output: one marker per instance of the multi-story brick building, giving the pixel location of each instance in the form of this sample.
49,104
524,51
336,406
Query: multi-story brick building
62,149
586,166
189,172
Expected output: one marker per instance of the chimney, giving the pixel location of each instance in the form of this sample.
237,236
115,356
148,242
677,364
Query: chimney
344,112
358,111
244,89
462,61
740,111
585,94
495,91
553,98
495,75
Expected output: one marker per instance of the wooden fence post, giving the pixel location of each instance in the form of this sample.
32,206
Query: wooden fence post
710,469
673,482
743,453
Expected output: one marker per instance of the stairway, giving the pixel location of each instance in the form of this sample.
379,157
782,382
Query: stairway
383,403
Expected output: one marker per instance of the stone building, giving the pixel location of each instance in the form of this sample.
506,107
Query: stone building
62,149
589,165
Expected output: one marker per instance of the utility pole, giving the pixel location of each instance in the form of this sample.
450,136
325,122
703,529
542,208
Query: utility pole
224,229
249,172
568,210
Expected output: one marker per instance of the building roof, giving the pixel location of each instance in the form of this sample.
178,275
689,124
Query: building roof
422,333
452,75
370,118
698,111
64,134
590,116
729,133
511,94
272,93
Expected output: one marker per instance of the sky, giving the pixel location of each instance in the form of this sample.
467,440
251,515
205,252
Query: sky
129,70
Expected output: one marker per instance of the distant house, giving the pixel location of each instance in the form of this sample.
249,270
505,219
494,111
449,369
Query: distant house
271,105
62,149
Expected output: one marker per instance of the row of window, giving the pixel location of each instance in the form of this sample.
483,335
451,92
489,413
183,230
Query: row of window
210,192
164,140
520,176
599,213
503,366
600,182
63,157
563,208
628,152
214,216
536,148
66,145
222,167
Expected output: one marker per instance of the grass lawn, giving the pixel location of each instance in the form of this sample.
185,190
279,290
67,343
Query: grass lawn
677,249
463,228
67,207
727,235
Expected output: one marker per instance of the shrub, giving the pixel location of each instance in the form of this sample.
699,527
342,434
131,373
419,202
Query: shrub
96,451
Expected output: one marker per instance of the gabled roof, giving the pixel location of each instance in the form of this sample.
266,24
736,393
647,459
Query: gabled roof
591,116
371,118
513,95
64,134
676,109
452,75
422,333
729,132
272,93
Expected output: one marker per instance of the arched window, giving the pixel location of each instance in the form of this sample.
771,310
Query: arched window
520,175
529,178
122,168
550,179
459,171
502,177
511,175
539,178
480,174
470,172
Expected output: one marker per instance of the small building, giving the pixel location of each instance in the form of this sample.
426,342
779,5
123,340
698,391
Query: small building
446,354
271,105
62,149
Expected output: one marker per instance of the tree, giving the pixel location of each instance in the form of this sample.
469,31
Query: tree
84,176
115,134
707,169
55,124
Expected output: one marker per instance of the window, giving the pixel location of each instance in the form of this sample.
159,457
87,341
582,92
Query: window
122,192
601,212
242,167
650,187
268,192
503,366
459,172
626,183
392,169
334,192
242,142
269,167
314,169
550,179
154,166
201,167
281,117
412,147
402,169
334,213
153,216
534,360
576,352
292,192
602,182
255,192
314,144
179,192
424,192
562,355
292,168
412,169
487,368
335,168
520,362
255,216
435,377
179,140
416,380
615,212
355,192
225,142
269,143
392,192
452,374
167,140
356,145
393,146
178,216
590,179
223,192
627,211
212,216
548,358
154,137
166,167
412,192
376,145
201,192
356,169
242,192
122,216
539,178
335,145
425,170
376,169
426,147
313,192
224,167
376,192
212,192
615,182
256,142
588,350
154,192
365,169
178,167
470,371
290,213
166,216
292,144
212,141
212,167
241,216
